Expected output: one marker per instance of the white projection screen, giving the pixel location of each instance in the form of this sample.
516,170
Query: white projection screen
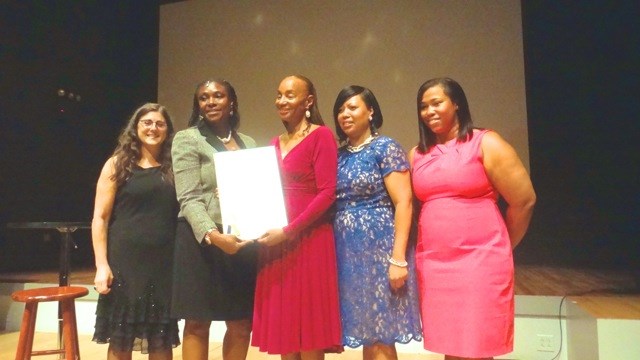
391,47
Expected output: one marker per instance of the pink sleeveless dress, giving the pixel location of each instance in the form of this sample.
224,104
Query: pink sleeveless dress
463,256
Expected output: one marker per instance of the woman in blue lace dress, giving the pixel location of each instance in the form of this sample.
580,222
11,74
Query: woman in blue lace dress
378,293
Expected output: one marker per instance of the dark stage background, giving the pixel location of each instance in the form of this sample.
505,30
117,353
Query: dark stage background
581,62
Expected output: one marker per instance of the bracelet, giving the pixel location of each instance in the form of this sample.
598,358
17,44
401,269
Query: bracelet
398,263
207,239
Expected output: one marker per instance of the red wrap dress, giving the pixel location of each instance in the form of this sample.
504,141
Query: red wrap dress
296,304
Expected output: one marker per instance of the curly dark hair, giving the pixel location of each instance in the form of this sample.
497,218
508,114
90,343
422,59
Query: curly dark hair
127,153
369,99
234,120
454,91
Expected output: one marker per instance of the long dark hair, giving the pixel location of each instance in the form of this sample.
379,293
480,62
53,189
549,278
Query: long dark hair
454,91
127,152
315,117
234,120
369,99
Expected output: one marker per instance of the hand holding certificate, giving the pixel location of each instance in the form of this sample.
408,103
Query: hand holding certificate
250,192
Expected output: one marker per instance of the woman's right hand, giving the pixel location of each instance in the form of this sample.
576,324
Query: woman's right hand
230,244
103,279
273,237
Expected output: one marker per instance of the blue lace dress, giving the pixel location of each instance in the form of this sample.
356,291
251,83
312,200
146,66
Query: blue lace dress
364,233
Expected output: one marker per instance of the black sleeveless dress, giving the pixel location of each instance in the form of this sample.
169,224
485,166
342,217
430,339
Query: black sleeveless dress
135,314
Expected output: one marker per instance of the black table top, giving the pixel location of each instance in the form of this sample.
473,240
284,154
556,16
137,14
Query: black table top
59,225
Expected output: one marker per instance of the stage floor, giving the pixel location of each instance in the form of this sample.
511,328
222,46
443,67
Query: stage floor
91,350
604,294
529,280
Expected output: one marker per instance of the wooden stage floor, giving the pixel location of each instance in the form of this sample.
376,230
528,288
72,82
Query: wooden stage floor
602,293
529,280
91,350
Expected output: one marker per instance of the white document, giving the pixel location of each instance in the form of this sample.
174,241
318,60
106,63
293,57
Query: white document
250,191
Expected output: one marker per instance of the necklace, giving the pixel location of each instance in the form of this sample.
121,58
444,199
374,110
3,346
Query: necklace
299,134
305,132
355,149
225,140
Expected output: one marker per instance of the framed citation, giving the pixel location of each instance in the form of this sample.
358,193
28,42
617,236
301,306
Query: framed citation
250,191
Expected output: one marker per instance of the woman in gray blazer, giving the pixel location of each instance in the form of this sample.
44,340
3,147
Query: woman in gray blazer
214,273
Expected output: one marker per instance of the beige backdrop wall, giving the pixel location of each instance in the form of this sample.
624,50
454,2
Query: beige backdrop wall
392,47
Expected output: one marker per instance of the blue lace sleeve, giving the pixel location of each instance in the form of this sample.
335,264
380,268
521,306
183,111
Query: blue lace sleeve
390,156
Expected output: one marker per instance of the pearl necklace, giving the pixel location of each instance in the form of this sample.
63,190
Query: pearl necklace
355,149
225,140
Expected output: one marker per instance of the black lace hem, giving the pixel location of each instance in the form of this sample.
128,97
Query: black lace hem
141,324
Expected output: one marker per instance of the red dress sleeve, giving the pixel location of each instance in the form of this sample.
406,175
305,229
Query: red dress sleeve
325,168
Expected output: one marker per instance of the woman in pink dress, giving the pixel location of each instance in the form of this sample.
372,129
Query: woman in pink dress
296,311
464,252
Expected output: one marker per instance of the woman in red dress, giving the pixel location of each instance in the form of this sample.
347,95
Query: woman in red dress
296,312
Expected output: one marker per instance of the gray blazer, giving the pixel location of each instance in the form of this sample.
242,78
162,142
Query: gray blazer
195,177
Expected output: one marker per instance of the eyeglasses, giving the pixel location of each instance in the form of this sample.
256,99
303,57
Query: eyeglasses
149,123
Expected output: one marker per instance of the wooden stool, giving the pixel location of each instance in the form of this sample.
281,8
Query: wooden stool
66,296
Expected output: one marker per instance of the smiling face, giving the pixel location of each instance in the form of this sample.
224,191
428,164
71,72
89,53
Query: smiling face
439,113
293,100
214,103
152,129
353,118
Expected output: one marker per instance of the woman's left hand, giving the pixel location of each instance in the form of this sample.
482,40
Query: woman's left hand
272,237
397,276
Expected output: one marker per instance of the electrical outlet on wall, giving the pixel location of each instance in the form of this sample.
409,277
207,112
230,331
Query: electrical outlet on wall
546,343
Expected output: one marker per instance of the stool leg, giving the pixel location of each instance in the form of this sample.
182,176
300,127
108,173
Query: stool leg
75,329
27,329
70,330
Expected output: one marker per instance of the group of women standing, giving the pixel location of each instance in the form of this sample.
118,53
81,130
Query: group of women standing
345,271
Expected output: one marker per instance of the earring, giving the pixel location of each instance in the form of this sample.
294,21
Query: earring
307,114
231,112
200,117
370,118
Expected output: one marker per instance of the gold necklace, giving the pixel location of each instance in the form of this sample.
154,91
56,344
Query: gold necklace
300,133
305,131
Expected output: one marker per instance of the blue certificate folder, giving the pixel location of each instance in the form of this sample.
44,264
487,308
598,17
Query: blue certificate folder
250,191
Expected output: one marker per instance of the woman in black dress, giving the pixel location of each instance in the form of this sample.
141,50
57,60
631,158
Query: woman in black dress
133,231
